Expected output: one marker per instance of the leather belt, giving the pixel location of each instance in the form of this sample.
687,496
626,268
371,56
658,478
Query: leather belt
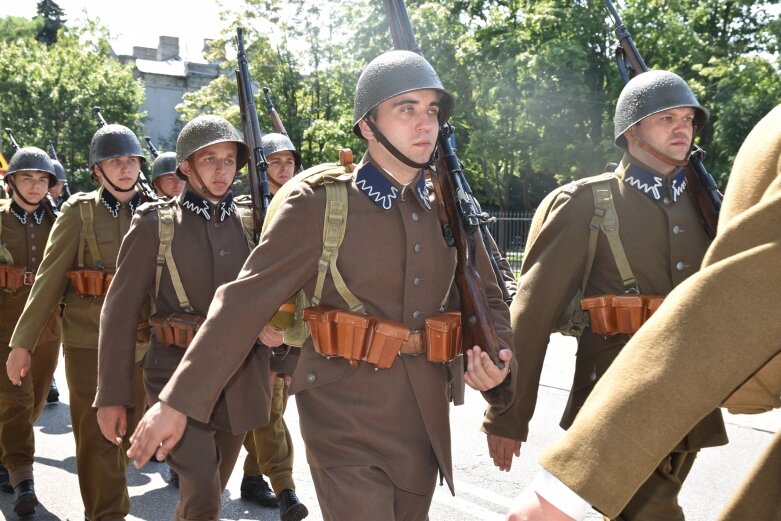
414,345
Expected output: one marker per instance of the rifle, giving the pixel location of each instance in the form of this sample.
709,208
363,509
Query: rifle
48,197
465,221
152,149
702,187
272,111
66,191
257,165
146,188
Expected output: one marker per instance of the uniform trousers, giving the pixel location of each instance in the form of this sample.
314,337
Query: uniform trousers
657,498
270,448
101,466
20,407
365,492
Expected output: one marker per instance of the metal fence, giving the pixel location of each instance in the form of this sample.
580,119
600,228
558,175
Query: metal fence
510,230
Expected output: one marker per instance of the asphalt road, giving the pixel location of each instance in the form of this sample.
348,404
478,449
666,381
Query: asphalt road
482,492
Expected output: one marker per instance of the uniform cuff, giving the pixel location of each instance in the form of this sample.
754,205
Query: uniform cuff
560,495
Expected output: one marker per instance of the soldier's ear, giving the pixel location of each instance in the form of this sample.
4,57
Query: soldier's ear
185,167
366,132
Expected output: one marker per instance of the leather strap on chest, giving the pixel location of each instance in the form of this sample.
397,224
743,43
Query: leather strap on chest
5,253
87,235
165,228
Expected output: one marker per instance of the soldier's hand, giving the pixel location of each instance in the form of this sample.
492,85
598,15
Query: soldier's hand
271,337
502,449
157,433
18,365
112,420
530,506
481,372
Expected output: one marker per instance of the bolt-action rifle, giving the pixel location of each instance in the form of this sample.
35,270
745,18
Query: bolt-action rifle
143,183
66,191
257,165
48,197
465,220
700,184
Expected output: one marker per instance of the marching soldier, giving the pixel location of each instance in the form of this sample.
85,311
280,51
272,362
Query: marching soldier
77,265
374,416
59,191
270,448
166,183
25,225
624,238
176,254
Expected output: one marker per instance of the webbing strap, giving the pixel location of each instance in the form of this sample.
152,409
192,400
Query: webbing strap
165,227
87,235
5,253
334,226
603,203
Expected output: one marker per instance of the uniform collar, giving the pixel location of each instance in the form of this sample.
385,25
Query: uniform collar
113,205
22,215
384,192
650,183
196,204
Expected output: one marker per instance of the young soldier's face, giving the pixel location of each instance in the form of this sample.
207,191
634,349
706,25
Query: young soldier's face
169,185
122,171
56,190
32,185
670,131
410,121
216,164
281,166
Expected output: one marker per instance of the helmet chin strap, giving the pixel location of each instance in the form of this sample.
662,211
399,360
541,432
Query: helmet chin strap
203,187
654,152
115,187
394,151
19,194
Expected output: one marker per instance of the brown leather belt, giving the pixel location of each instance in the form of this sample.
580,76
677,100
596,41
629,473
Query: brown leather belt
414,345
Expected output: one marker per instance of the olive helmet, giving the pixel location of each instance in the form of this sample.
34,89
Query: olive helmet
114,141
652,92
164,164
59,171
274,142
393,73
206,130
32,158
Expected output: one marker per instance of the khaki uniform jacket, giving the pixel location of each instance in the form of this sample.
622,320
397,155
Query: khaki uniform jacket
208,253
664,242
712,333
26,243
81,314
393,259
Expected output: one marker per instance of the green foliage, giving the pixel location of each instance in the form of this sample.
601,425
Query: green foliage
53,21
49,91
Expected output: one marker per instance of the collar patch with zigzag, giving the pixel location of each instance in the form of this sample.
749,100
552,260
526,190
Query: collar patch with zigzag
113,205
381,191
22,215
203,208
653,186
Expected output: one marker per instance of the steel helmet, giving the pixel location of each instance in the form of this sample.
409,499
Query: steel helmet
274,142
203,131
164,164
114,141
32,158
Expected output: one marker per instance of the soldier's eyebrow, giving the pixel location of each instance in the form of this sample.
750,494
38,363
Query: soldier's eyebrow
413,101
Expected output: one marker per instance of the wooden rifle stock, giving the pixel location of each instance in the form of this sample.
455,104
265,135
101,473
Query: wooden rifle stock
272,111
700,184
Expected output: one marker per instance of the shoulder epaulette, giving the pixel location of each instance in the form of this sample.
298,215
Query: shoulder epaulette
154,205
242,200
573,187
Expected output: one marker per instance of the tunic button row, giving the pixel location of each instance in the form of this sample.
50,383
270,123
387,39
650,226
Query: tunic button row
418,247
680,266
416,281
676,229
416,314
415,216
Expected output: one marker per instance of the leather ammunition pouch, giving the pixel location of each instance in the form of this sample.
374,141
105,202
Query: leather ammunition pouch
14,277
378,341
175,329
619,314
90,283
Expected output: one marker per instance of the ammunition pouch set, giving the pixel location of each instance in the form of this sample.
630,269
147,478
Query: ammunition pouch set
14,277
176,329
357,337
619,314
90,283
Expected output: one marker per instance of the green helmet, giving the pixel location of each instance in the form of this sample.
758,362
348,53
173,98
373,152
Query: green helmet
32,158
164,164
273,143
203,131
394,73
59,171
114,141
652,92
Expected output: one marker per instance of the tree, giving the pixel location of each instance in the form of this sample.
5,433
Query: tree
53,21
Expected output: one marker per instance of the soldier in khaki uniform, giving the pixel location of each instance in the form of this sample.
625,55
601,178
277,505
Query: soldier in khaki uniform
25,224
82,248
206,247
376,439
662,243
270,448
167,184
726,351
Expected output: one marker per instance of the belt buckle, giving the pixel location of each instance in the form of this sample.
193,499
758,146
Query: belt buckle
29,278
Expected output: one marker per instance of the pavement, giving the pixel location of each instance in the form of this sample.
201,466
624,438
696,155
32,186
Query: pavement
482,492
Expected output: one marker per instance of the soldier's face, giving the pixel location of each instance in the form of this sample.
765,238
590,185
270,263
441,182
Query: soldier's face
216,165
32,185
281,166
56,190
122,171
410,121
169,185
670,131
